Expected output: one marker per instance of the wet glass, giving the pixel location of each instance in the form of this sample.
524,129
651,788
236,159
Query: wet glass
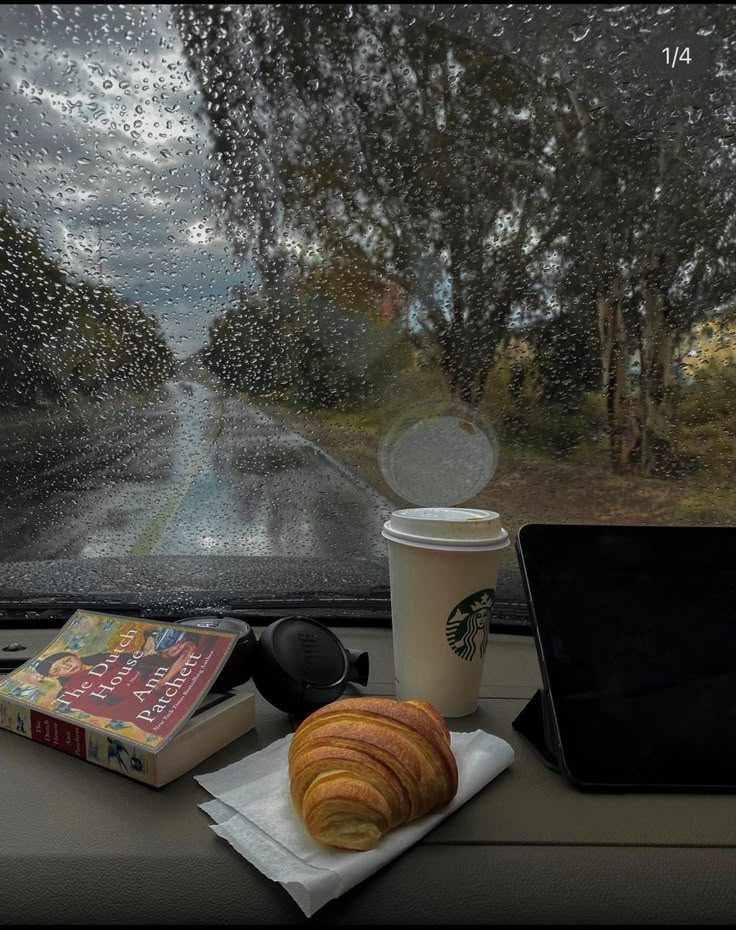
240,246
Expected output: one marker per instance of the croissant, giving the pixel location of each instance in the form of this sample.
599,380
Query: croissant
361,766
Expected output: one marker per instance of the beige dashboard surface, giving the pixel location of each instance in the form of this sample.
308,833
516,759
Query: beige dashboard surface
77,842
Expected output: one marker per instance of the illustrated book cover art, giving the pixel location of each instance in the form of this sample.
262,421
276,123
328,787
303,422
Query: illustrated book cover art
107,678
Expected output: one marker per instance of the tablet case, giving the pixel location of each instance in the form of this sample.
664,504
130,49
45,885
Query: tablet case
535,725
535,720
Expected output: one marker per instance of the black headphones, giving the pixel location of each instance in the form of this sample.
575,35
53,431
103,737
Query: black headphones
298,664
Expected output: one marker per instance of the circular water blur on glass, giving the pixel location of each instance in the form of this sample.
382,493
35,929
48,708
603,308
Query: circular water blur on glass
440,453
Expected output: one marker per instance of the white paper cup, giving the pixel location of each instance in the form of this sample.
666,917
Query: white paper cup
443,564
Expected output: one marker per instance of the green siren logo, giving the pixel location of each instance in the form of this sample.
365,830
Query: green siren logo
467,625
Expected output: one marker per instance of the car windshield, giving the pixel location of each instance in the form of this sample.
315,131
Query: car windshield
269,272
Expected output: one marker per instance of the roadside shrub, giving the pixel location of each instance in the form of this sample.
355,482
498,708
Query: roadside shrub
704,423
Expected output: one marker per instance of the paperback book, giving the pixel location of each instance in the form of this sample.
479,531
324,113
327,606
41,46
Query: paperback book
124,693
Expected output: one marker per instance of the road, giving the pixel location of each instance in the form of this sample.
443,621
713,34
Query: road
194,473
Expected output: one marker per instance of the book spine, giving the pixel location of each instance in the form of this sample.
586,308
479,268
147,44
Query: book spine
61,734
15,717
107,751
121,756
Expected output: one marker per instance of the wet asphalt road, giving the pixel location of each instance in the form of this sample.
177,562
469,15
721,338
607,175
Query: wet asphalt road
193,473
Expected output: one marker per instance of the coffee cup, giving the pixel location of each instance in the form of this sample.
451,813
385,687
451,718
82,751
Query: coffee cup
443,565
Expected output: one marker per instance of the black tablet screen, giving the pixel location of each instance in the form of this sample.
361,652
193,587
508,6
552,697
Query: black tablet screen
637,631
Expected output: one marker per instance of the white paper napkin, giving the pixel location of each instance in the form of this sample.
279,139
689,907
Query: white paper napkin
252,810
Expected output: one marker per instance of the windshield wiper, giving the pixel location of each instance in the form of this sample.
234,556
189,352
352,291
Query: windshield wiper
372,608
12,598
49,609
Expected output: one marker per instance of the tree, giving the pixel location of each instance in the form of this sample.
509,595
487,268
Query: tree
247,347
644,164
58,335
649,245
313,353
591,191
355,124
32,293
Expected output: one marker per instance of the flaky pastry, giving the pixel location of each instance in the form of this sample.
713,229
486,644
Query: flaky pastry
360,767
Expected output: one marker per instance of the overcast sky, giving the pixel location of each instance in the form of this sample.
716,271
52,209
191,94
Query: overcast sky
102,153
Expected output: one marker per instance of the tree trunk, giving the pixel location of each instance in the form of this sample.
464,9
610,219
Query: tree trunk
467,345
623,438
465,368
657,384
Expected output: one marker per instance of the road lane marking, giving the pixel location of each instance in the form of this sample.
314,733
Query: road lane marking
153,530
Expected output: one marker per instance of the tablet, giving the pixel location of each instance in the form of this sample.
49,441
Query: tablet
635,629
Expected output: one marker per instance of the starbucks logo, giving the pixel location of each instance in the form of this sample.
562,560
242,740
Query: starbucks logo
467,625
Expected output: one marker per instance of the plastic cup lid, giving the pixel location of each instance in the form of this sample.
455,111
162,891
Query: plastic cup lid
447,527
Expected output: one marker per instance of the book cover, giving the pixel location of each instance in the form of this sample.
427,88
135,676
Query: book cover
121,678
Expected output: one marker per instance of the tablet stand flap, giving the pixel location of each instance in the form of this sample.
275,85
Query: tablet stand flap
532,723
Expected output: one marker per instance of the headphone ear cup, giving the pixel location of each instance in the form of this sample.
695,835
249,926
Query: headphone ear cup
272,682
239,666
300,665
